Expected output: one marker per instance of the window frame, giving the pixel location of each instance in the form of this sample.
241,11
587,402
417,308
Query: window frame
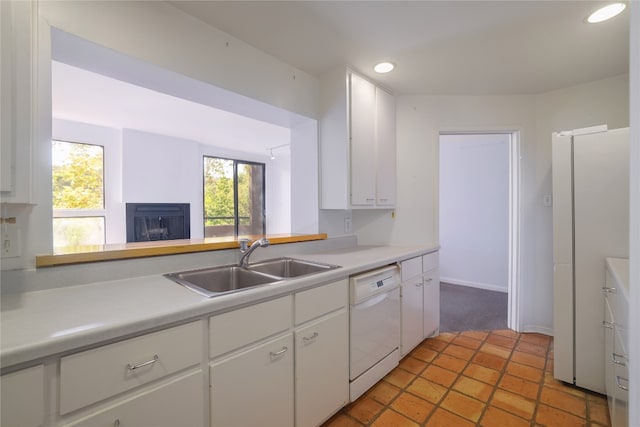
79,212
236,219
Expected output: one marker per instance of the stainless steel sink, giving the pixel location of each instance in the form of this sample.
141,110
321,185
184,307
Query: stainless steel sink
221,280
215,281
289,267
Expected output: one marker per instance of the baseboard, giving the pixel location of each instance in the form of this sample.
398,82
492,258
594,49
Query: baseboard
478,285
538,330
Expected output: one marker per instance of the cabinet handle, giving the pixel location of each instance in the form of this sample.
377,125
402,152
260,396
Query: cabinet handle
608,290
430,279
614,359
619,384
278,353
608,325
143,364
116,423
370,200
312,337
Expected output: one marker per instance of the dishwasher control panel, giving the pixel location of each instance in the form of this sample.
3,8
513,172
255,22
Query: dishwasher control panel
374,282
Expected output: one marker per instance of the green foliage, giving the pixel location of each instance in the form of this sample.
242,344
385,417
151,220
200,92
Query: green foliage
77,176
218,190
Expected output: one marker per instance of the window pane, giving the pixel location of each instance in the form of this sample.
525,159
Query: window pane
78,231
219,214
78,177
250,198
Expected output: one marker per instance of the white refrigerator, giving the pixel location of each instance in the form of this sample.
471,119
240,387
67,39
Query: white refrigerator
590,172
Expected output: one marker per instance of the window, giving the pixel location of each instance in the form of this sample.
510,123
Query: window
78,194
234,194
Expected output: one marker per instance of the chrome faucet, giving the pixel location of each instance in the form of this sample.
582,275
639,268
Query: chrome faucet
244,261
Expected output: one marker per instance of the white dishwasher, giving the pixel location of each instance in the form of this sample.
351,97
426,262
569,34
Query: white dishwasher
374,327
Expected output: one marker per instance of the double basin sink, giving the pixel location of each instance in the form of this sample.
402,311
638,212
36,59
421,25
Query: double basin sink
222,280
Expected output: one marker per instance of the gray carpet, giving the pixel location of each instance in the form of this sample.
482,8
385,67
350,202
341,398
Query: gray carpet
470,309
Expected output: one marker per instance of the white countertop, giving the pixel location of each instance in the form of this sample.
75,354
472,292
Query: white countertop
36,325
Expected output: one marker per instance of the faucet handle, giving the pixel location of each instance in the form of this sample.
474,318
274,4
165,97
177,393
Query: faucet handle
244,245
264,242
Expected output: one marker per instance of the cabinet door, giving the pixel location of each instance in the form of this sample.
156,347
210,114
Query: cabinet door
254,387
22,395
412,322
178,403
385,148
431,303
363,156
322,369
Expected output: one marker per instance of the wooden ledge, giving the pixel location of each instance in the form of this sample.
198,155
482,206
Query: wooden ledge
97,253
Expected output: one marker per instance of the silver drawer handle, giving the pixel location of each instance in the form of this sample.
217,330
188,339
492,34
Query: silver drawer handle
608,325
609,290
618,382
614,359
312,337
116,423
419,284
278,353
430,279
143,364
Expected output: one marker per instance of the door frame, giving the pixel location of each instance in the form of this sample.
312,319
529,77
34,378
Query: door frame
513,278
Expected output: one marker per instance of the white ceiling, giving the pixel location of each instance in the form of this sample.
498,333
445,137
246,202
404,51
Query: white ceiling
440,47
88,97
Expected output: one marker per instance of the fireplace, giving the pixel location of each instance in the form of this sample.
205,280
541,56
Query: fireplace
157,221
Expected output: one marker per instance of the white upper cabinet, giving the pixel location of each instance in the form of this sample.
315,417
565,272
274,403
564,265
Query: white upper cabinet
357,143
18,50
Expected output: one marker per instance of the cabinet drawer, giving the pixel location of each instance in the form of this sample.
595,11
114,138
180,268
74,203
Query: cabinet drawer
22,394
97,374
177,403
238,328
430,261
321,300
411,268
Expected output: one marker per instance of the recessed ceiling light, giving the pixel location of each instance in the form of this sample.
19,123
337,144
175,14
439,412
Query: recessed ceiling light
383,67
606,12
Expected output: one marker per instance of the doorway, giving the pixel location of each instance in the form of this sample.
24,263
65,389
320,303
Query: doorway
478,217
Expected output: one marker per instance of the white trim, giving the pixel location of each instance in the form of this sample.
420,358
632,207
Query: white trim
537,330
514,279
513,313
477,285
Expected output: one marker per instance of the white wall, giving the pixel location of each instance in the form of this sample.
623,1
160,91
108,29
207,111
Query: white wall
474,207
162,169
420,118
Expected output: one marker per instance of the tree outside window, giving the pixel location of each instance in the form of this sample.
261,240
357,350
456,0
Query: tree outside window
233,197
78,194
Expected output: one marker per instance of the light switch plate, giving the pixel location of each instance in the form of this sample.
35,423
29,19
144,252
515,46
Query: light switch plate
10,243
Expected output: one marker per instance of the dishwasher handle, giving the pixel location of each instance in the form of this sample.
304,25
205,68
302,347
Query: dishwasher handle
368,303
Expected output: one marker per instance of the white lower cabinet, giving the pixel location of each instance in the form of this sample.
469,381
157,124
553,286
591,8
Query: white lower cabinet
255,386
180,402
431,303
412,314
22,398
616,348
420,293
322,368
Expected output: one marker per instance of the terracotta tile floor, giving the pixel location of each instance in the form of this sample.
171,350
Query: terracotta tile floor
490,378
